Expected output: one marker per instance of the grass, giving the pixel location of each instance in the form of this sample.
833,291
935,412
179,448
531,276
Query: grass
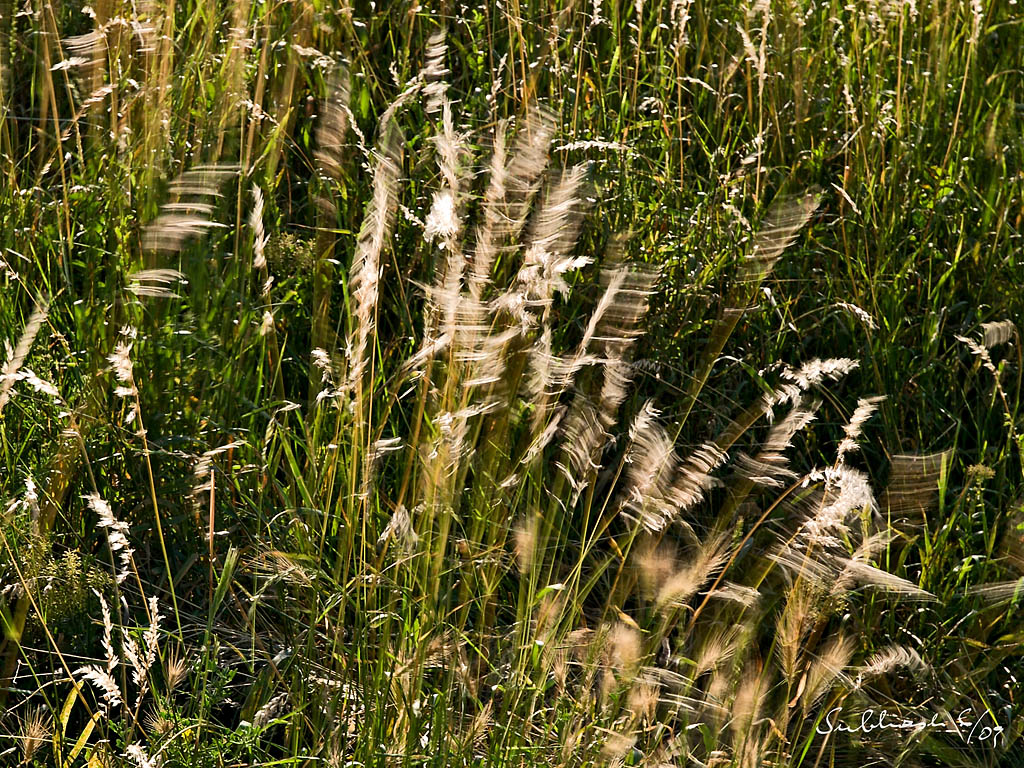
556,384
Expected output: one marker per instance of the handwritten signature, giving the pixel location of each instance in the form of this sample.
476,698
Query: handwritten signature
965,725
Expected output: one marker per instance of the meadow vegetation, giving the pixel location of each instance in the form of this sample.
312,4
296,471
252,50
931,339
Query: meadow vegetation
516,383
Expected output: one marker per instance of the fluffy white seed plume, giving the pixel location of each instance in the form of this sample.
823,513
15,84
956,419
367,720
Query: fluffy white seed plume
913,487
74,61
138,755
817,371
618,373
385,446
582,437
105,683
711,555
588,421
575,146
737,593
16,356
108,633
791,626
846,490
541,276
763,473
550,375
189,215
540,442
784,219
328,375
866,407
259,239
35,731
746,706
121,361
618,329
870,576
679,12
202,180
399,528
170,231
814,373
134,654
527,161
460,318
121,364
888,660
117,533
859,313
994,334
202,482
651,459
366,264
454,428
87,50
332,128
155,282
980,351
446,302
488,231
29,502
718,648
442,222
769,468
39,385
827,667
514,179
142,658
435,72
694,478
652,465
672,688
999,592
547,260
817,568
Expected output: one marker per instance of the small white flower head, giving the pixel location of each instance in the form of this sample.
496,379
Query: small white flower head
121,364
443,220
259,243
120,360
152,635
117,533
137,754
268,323
321,359
106,684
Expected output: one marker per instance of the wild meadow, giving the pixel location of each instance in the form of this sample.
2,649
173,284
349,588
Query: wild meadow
515,384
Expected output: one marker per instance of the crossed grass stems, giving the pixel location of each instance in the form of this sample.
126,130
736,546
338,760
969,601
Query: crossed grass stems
489,547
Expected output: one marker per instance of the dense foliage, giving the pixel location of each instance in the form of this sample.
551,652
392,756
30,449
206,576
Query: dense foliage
511,383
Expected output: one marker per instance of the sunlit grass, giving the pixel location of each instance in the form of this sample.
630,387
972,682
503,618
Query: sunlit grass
605,383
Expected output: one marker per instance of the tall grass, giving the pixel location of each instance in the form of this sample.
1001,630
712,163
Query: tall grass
630,384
